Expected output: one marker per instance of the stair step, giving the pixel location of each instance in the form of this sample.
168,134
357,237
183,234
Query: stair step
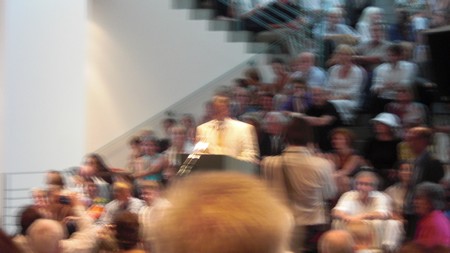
184,4
240,36
201,14
222,25
257,47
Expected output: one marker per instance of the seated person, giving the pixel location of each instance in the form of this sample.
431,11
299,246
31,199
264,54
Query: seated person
410,113
273,130
27,216
390,76
345,81
322,115
346,159
433,228
363,235
333,32
123,235
46,235
122,201
300,100
397,191
365,203
305,68
95,204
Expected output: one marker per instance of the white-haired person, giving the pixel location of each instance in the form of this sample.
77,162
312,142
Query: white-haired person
222,212
367,204
369,16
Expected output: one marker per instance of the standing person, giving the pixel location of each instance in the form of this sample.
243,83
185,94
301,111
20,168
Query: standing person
305,181
227,136
425,168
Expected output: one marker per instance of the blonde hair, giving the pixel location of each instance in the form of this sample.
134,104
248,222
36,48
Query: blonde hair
222,212
122,186
344,49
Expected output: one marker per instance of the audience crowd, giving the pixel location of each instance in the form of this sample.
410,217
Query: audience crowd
320,188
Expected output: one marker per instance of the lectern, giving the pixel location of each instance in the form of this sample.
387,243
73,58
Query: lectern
209,162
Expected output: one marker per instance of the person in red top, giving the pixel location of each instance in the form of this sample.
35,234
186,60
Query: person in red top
433,227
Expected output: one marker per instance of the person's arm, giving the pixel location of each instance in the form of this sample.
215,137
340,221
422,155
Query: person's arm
351,164
85,238
320,121
378,79
381,209
342,210
344,216
150,168
249,142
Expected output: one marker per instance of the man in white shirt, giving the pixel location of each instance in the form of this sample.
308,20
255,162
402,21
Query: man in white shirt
369,205
390,76
227,136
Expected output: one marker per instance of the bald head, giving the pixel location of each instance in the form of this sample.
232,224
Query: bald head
336,241
44,236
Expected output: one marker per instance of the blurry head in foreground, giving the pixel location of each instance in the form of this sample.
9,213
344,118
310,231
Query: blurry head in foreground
44,236
221,213
336,241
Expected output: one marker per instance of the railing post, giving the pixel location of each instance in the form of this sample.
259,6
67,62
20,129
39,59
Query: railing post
2,198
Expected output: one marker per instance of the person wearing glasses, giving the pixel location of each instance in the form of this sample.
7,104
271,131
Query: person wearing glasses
367,204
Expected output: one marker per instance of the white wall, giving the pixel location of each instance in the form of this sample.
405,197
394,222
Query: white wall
42,111
44,84
146,56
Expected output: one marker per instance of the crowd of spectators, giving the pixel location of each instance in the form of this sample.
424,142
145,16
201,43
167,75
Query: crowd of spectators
387,195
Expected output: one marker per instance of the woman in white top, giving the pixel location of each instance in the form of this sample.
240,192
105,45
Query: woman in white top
345,81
